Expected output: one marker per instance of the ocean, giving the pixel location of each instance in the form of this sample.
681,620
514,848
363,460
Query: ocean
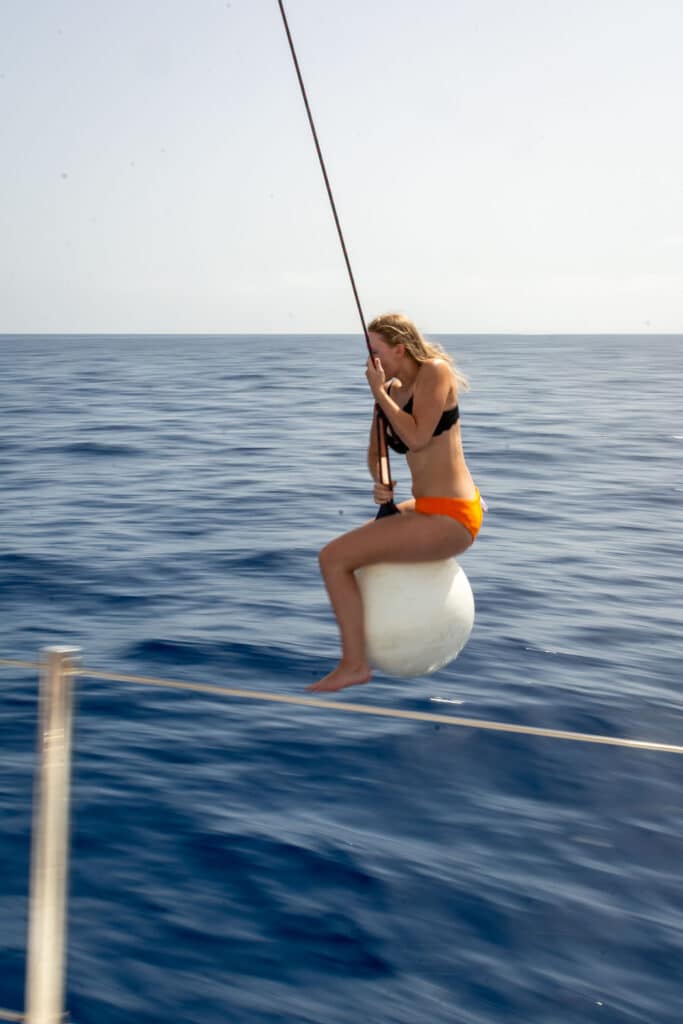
163,503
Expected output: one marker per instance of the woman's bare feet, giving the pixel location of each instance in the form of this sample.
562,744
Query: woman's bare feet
341,677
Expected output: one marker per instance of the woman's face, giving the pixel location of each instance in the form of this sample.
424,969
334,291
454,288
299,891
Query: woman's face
388,355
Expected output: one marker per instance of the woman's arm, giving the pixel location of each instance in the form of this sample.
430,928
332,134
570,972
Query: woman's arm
429,401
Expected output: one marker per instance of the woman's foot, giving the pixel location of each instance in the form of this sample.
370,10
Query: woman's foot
341,677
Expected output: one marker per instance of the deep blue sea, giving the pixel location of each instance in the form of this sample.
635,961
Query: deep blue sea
163,503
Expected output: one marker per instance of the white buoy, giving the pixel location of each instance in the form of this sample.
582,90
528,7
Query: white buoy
418,616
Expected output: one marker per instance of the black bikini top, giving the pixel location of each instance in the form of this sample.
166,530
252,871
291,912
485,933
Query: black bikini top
448,418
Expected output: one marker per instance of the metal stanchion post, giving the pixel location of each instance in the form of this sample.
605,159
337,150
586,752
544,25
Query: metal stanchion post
45,967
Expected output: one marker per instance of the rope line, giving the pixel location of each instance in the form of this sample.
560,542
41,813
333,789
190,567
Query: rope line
365,709
10,1015
380,430
324,170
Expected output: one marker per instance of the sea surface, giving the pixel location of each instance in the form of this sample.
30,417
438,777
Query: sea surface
163,503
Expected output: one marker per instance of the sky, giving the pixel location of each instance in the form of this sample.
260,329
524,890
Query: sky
499,166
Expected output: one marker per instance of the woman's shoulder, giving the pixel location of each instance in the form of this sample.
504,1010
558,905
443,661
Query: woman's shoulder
438,381
436,370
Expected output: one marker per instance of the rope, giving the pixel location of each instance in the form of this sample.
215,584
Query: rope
12,1016
324,170
383,454
366,709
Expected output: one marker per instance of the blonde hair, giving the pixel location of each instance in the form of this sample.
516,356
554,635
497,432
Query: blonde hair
397,329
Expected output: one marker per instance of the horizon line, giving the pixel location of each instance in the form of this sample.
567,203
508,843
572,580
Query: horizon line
330,334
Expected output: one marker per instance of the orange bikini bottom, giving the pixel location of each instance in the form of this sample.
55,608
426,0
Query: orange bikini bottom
467,511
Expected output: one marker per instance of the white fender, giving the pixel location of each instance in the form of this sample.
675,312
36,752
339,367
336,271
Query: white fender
418,616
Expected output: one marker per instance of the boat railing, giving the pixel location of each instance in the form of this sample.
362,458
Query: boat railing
47,918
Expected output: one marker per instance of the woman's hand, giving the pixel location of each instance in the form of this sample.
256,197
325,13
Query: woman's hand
375,375
382,493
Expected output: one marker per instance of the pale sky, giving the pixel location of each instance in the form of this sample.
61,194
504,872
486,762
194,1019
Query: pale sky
498,165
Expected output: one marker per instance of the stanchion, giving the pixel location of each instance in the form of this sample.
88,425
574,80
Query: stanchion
45,968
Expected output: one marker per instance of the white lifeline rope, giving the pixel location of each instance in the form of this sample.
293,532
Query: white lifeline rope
366,709
9,1015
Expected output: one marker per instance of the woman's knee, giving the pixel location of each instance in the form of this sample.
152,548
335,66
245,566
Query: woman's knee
327,557
335,555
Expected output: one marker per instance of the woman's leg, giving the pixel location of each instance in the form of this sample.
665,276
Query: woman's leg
409,537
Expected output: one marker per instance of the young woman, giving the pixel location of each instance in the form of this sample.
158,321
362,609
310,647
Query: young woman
415,386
